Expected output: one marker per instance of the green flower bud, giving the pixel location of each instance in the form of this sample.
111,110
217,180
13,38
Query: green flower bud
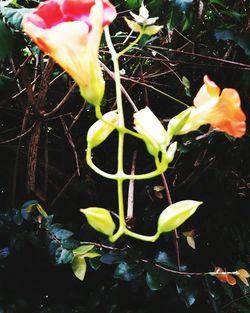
171,152
148,125
100,219
99,131
176,214
178,123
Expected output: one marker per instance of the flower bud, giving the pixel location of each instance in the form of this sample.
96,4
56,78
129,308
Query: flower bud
178,124
148,125
176,214
171,152
100,219
100,130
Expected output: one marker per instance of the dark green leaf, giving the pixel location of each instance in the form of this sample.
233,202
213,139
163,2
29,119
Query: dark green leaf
128,272
95,263
63,256
113,257
187,289
14,16
63,234
183,5
132,4
53,246
164,258
6,41
156,278
70,244
236,37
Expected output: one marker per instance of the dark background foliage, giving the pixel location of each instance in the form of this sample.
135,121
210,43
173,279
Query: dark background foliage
42,157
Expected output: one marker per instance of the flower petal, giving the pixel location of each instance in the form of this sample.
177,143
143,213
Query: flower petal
208,94
228,116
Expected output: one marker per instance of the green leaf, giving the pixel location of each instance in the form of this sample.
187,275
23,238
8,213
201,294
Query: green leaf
187,289
163,258
63,256
152,30
231,35
54,228
132,4
133,25
63,234
70,243
79,267
156,277
128,272
183,5
6,41
95,263
15,16
113,257
186,84
83,249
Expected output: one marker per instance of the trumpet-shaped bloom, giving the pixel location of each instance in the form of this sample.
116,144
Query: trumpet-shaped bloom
221,110
70,32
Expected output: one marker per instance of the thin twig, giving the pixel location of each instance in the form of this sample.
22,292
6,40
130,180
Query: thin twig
112,75
62,102
71,142
176,236
130,206
63,189
19,136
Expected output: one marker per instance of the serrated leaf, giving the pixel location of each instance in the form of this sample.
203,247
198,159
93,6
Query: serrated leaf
83,249
79,267
6,41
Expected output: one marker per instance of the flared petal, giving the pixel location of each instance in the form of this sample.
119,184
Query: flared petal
208,94
228,116
70,32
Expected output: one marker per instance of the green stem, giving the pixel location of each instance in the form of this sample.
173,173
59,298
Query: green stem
121,124
130,45
141,237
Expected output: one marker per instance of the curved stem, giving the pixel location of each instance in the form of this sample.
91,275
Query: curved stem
130,45
141,237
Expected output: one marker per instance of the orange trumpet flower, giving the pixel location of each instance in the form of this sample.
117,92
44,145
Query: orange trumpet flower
70,32
221,110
